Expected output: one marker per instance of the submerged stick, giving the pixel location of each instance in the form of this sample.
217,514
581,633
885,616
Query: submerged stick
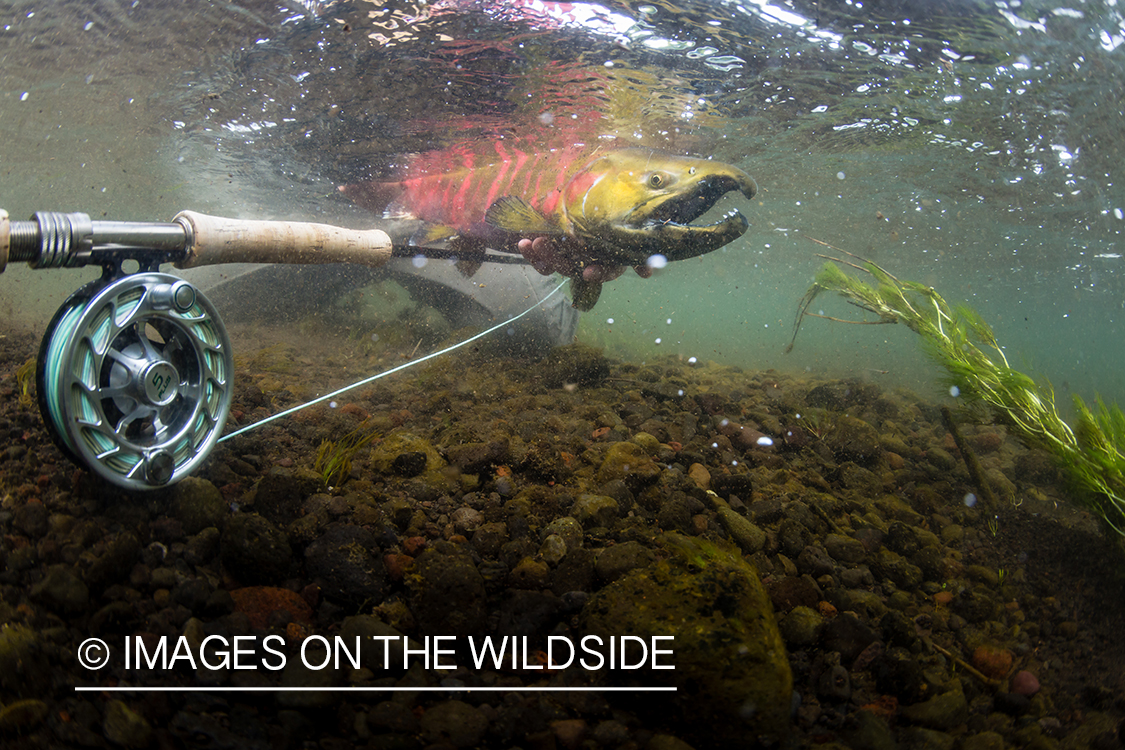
971,462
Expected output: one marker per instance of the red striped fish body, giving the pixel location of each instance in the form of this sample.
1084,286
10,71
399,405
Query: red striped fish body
609,206
454,188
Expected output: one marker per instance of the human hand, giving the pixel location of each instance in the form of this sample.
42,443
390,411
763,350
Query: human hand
548,256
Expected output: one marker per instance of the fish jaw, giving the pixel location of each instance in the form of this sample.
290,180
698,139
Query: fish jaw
632,204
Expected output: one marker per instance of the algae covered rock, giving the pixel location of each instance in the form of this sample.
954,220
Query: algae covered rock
346,560
253,550
628,462
198,504
446,592
731,667
574,363
24,666
384,455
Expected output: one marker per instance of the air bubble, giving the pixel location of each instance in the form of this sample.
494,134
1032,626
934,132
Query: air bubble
840,175
658,341
331,404
656,261
609,320
954,391
419,261
765,441
970,500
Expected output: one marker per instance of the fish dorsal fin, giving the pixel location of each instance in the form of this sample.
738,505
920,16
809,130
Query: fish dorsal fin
519,217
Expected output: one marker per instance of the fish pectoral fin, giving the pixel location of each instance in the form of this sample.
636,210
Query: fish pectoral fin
431,234
584,294
519,217
470,255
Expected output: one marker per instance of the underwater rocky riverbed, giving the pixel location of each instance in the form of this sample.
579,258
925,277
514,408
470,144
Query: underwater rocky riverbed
807,542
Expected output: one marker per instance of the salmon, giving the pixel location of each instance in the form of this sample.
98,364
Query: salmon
608,206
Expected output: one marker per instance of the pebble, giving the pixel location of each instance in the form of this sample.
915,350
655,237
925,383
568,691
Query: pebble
21,716
992,661
1025,683
595,510
454,722
845,549
698,473
614,562
943,711
198,504
125,727
801,627
467,520
31,519
347,562
62,591
749,537
253,550
553,550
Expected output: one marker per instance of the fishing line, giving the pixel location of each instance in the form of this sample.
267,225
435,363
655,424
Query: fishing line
393,370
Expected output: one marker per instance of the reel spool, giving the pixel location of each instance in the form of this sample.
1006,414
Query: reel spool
135,379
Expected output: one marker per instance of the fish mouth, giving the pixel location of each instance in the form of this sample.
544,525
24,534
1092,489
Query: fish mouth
663,225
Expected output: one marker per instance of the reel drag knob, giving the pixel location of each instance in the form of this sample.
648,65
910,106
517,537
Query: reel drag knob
135,379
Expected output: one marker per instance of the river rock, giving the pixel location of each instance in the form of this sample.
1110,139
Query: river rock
801,627
125,727
749,537
943,711
844,549
280,493
61,591
616,561
385,453
31,519
454,722
348,563
23,663
197,504
253,550
446,591
22,715
116,562
852,439
630,463
713,602
377,640
595,510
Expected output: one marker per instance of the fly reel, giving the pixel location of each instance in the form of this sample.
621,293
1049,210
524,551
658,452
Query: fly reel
135,371
135,379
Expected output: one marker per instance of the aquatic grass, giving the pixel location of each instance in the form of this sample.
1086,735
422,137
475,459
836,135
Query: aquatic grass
334,457
25,376
958,339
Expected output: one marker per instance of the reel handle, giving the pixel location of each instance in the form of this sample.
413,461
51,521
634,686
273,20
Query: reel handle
68,240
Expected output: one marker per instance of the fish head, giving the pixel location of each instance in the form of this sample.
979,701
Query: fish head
630,204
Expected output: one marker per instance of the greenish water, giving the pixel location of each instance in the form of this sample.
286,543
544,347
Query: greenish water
971,146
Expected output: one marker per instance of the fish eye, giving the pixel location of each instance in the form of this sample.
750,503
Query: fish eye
656,180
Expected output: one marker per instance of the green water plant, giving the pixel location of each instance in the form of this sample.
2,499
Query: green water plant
334,457
25,376
1092,454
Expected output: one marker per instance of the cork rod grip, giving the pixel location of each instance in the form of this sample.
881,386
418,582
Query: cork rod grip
218,240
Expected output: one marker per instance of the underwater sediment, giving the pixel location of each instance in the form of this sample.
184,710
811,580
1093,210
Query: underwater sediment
815,547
